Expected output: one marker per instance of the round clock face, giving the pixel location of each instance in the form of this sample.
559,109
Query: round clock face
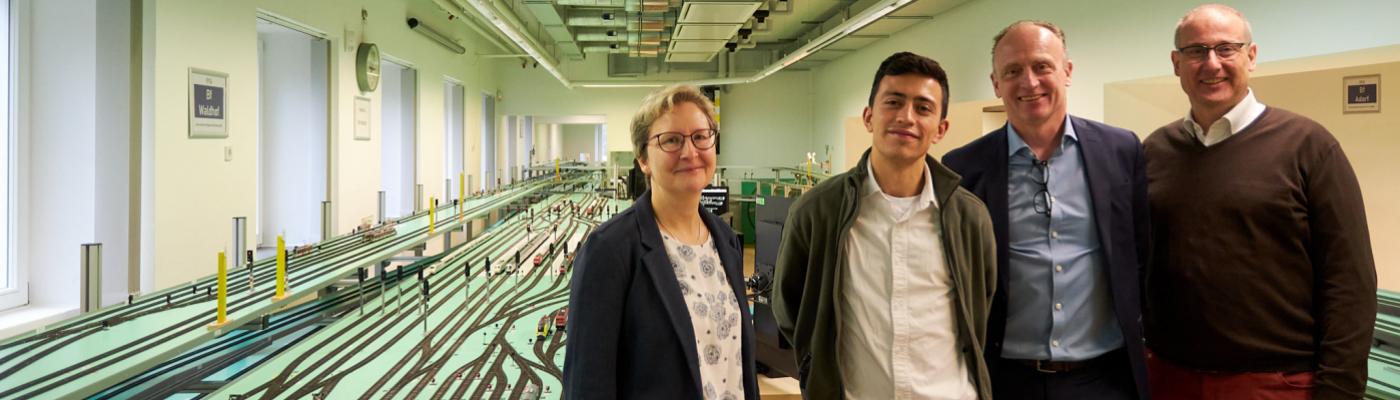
367,67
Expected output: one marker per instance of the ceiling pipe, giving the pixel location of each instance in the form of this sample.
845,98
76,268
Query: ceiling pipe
855,23
456,12
599,19
615,48
507,23
593,3
436,36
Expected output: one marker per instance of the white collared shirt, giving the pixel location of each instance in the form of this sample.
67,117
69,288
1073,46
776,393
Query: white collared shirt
1233,122
897,337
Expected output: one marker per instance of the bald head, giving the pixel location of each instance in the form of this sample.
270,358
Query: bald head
1212,14
1029,24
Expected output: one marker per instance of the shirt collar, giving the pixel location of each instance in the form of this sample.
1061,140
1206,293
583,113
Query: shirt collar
1238,118
1015,144
926,196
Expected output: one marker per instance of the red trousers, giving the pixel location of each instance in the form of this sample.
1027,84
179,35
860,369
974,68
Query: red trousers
1172,382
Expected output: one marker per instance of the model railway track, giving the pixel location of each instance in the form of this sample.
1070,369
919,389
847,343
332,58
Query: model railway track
279,383
1383,377
414,361
33,356
265,269
301,317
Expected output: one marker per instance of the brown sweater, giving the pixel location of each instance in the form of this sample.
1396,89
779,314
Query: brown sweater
1260,260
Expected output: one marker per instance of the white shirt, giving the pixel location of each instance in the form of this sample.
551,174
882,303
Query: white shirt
897,337
714,316
1231,123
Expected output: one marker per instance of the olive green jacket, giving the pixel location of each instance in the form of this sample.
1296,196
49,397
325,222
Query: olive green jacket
812,256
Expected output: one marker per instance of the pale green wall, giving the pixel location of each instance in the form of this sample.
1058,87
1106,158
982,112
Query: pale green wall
777,120
533,91
190,192
577,139
768,123
1108,41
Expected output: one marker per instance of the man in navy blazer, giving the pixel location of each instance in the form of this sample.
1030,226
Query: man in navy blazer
1068,200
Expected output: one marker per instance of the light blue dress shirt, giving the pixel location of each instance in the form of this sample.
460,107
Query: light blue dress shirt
1058,302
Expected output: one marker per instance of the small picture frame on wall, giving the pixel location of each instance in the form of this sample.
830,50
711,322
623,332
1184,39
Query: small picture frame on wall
362,118
1363,94
208,104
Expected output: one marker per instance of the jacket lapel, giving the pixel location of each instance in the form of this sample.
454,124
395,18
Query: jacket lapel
658,267
729,256
1100,177
996,188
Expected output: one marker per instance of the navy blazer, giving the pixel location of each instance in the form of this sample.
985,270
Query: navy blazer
630,335
1114,163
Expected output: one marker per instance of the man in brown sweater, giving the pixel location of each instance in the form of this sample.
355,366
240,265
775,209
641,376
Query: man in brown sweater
1261,279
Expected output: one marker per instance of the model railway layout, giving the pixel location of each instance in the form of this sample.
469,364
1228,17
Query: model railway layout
458,324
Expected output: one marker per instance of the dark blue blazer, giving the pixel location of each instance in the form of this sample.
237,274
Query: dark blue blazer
630,335
1114,163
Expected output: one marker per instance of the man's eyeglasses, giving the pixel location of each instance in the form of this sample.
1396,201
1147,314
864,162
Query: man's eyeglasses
1199,52
1040,173
672,142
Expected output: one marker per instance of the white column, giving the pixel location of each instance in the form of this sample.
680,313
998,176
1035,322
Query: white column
556,141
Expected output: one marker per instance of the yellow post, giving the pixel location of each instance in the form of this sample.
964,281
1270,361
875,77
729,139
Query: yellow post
461,194
281,269
809,170
222,304
432,215
556,171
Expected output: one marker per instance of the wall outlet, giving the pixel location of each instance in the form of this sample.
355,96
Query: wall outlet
228,153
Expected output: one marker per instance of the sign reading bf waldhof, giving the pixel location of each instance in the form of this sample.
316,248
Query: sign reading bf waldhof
208,104
1363,93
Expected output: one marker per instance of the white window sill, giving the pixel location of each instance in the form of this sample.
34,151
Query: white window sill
26,319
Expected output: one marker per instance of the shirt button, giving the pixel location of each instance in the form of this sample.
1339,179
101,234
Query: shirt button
1054,235
1055,343
1058,306
1059,268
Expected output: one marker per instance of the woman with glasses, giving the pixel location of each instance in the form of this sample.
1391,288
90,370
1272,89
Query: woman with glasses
657,304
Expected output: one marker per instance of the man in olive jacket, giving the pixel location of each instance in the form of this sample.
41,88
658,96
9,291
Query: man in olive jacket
886,272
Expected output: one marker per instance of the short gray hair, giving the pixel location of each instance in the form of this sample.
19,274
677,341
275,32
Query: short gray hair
659,103
1220,8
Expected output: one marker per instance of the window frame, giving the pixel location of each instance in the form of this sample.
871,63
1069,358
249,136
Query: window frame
16,292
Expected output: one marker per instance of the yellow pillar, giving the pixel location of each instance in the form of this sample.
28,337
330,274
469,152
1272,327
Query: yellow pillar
222,304
557,178
461,194
432,215
281,269
809,168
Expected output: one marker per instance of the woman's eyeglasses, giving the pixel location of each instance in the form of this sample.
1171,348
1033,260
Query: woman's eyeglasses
672,142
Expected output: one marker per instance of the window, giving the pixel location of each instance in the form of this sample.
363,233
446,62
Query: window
12,288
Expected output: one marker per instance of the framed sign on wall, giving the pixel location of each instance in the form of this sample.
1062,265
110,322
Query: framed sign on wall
1363,94
208,104
362,118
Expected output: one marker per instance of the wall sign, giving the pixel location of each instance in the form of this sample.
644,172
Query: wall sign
208,104
362,118
1363,94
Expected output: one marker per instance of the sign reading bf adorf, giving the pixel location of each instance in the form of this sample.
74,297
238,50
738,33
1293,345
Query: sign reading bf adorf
1363,93
208,104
